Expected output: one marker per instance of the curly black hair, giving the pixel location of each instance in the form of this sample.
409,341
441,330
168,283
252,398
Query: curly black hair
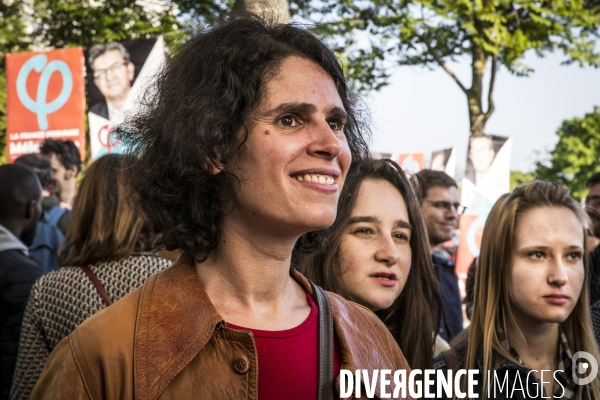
195,112
66,151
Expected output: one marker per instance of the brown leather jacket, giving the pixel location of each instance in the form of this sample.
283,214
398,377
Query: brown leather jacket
166,340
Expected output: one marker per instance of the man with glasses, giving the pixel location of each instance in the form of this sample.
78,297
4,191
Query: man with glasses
113,74
440,209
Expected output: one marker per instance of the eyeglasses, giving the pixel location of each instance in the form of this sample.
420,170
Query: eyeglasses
102,72
593,202
446,205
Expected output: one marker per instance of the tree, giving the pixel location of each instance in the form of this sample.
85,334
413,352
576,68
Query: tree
372,34
68,23
13,37
576,156
519,177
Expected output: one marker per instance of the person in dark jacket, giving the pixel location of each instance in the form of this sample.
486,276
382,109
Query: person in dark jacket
592,208
439,206
20,210
531,301
469,287
52,227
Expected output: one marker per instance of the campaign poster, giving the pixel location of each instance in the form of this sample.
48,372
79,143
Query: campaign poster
481,156
45,99
411,163
444,161
487,178
118,75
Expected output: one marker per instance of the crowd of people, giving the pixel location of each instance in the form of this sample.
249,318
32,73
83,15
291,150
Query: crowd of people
250,247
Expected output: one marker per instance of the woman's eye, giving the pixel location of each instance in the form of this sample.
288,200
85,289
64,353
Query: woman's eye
537,255
336,125
363,231
289,121
401,237
575,255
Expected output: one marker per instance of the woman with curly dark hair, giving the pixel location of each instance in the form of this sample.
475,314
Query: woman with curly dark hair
245,147
377,254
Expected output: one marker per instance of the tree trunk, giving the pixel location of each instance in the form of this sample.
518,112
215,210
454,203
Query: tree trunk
276,11
477,117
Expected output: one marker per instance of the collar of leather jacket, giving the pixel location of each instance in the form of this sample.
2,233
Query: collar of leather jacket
176,295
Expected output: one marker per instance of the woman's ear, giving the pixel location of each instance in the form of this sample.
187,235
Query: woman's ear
30,209
217,169
217,164
71,172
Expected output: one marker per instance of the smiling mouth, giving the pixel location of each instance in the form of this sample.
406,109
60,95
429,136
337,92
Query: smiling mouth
316,178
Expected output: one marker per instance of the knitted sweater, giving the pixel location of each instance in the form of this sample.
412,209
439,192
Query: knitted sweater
63,299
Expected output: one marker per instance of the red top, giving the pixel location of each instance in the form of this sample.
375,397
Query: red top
288,360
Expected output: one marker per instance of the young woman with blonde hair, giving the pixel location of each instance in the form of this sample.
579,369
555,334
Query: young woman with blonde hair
531,307
377,254
104,257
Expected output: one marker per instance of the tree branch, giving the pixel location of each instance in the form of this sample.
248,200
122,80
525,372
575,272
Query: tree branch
491,106
441,63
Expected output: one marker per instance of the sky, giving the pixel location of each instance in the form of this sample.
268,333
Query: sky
424,111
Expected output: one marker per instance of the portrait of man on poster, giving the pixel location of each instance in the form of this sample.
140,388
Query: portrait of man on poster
439,159
113,74
482,153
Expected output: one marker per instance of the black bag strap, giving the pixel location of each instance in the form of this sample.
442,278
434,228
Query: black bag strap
325,344
97,284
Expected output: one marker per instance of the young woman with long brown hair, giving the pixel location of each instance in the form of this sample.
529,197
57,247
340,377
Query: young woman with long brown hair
106,241
531,307
376,254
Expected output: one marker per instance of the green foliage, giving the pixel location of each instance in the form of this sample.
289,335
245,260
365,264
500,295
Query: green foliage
202,13
12,38
576,156
518,178
68,23
430,33
374,35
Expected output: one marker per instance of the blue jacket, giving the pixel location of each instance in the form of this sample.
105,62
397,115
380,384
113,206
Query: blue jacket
452,321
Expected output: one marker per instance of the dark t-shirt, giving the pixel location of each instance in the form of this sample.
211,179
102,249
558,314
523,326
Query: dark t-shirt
595,275
288,360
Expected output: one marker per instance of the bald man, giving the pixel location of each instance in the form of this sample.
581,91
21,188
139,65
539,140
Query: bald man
20,210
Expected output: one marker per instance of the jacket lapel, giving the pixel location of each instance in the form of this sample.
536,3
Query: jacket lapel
175,320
